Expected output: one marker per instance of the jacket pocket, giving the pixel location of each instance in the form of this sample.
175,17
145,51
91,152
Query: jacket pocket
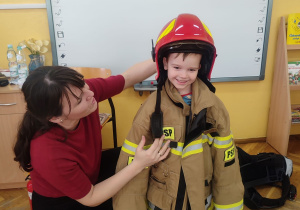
158,196
164,179
158,183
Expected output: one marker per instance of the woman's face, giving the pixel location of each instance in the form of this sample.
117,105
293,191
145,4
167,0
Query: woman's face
81,107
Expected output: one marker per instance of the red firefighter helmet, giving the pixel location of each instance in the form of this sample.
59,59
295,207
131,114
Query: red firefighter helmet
186,33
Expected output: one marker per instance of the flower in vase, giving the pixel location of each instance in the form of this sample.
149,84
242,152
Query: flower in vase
36,47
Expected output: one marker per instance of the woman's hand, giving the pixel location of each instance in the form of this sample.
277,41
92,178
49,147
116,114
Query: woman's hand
144,158
139,72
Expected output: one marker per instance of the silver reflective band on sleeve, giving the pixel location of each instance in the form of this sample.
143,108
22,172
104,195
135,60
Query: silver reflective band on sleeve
207,138
208,202
129,147
220,142
236,206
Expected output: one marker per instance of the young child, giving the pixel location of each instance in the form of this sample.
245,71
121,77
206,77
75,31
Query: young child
202,170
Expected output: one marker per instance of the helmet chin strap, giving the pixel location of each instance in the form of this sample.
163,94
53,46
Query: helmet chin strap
157,116
207,82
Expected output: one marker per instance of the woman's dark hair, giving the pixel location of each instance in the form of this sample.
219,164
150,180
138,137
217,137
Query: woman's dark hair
43,91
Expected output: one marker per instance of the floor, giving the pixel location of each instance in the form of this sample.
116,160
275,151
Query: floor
17,199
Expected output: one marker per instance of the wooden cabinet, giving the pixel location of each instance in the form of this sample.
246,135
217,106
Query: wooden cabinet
280,119
12,108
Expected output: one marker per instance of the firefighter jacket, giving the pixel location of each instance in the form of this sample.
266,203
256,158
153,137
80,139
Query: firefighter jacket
202,169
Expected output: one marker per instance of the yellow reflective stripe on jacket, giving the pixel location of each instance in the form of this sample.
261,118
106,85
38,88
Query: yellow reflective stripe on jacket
221,142
207,138
178,149
192,148
235,206
130,147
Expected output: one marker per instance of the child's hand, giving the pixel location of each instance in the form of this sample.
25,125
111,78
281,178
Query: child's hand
154,154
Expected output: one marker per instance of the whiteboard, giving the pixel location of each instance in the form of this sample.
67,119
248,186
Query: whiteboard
116,34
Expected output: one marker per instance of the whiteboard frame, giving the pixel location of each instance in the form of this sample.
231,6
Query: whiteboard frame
220,79
22,6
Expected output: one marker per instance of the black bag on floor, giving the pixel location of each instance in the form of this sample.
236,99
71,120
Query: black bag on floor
265,169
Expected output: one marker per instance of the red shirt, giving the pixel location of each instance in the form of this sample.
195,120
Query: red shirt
69,168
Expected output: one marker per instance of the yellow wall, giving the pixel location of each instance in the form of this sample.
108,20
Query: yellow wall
247,102
22,24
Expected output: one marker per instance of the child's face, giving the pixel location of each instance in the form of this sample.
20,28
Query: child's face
182,72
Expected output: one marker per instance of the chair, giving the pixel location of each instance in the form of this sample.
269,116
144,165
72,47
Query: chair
89,72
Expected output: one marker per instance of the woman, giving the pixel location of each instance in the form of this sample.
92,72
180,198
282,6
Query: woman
59,139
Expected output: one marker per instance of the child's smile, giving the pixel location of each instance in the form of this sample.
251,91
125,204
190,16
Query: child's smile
182,72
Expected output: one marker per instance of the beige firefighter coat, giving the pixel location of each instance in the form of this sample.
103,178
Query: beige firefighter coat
209,163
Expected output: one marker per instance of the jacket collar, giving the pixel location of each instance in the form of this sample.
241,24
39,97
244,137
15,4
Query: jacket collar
202,97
